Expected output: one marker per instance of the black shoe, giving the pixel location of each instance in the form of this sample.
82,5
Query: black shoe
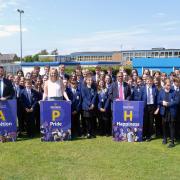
148,139
171,145
164,141
93,136
89,136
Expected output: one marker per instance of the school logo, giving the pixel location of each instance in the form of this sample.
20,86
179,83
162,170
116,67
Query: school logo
2,117
55,115
128,115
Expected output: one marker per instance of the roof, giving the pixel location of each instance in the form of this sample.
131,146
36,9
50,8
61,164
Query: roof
150,50
156,62
7,57
72,63
110,53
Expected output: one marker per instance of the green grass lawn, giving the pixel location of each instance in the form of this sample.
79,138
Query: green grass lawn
99,158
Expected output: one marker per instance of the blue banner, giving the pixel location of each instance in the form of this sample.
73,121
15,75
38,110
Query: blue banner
128,120
55,120
8,117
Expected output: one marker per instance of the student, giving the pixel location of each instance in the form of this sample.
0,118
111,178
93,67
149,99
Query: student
89,95
149,96
168,101
17,90
104,108
137,91
29,99
176,88
76,100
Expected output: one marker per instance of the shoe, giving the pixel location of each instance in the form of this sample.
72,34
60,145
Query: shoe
93,136
171,145
148,139
164,141
88,136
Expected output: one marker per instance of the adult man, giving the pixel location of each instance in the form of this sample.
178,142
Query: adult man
6,87
120,89
62,73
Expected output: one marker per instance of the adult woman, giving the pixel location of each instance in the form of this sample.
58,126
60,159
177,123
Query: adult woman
54,88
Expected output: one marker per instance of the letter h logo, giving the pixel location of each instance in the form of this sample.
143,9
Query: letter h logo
128,116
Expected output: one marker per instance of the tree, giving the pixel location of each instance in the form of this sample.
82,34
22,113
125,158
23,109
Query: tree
43,52
54,52
28,59
35,57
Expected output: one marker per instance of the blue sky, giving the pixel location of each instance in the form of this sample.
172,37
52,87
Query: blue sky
89,25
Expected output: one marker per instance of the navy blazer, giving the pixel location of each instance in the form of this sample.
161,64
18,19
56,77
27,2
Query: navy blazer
173,102
76,100
137,93
104,101
154,93
114,93
25,100
89,96
8,90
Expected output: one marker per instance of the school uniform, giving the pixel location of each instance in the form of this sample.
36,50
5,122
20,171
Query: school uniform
29,100
149,96
104,117
168,113
137,93
64,76
177,122
76,101
39,92
89,97
17,94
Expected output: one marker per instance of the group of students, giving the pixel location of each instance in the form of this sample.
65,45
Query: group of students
92,97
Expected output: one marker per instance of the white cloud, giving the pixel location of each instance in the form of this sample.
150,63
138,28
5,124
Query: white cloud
159,15
7,3
9,30
137,37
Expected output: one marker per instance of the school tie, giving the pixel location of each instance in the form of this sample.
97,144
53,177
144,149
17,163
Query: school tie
29,95
148,96
120,92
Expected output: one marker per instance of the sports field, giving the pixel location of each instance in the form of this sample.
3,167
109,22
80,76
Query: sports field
99,158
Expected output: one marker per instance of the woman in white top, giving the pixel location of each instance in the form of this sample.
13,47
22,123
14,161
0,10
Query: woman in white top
54,88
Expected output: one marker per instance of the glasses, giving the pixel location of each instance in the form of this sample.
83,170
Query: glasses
119,76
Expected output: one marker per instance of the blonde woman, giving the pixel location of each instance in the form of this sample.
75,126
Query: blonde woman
54,87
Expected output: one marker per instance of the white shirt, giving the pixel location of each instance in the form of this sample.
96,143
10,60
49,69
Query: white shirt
55,88
2,87
151,95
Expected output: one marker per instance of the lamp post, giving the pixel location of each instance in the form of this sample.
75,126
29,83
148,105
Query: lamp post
20,12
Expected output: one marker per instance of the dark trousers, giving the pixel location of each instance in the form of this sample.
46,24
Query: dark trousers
171,129
20,115
148,121
177,124
75,125
104,123
158,124
83,124
37,118
30,123
90,125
